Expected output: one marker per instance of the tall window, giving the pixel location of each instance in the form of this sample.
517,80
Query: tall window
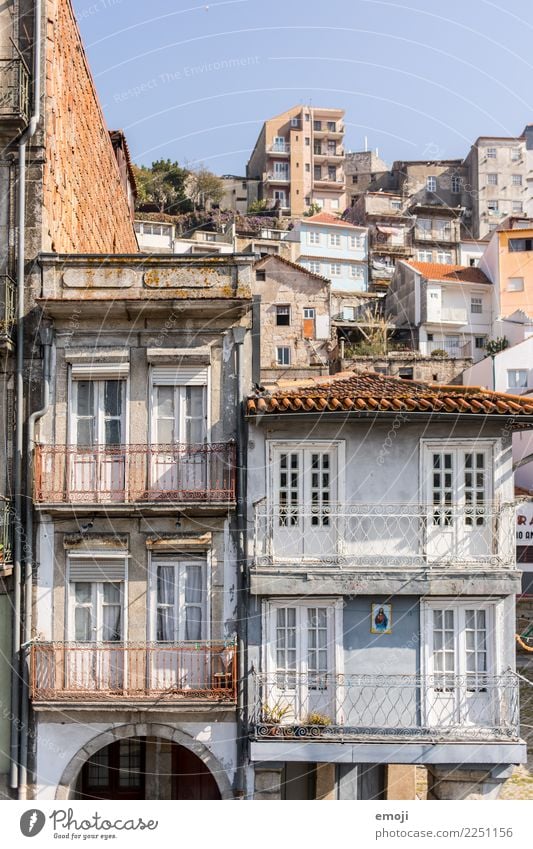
456,185
492,179
98,412
431,184
334,240
491,152
314,237
179,414
97,611
314,267
335,269
517,179
476,305
180,600
283,356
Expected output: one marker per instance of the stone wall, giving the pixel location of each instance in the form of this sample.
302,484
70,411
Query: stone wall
444,370
85,208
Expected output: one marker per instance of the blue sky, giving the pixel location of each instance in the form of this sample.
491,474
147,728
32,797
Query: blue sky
422,78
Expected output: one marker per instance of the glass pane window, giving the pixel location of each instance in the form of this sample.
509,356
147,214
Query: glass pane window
289,489
442,489
181,601
320,489
111,613
517,378
286,642
317,646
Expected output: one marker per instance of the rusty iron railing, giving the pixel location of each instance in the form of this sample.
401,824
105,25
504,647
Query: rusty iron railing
8,292
14,89
77,672
69,474
6,522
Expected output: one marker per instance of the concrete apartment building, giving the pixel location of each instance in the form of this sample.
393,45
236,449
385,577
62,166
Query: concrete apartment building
441,308
52,132
382,583
365,171
499,182
508,263
298,159
390,232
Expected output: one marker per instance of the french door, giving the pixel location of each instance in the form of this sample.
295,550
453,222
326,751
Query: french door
460,656
97,465
300,678
179,431
304,496
97,616
179,619
459,491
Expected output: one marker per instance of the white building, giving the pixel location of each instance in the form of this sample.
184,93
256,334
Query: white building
380,559
333,248
443,307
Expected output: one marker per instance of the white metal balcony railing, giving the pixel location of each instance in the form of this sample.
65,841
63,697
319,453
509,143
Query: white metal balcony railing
280,147
459,708
278,177
391,536
451,349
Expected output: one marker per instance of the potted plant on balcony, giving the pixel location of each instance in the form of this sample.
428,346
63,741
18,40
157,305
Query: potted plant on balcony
438,353
272,717
316,723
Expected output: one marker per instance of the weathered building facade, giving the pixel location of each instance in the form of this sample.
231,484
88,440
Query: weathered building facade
382,582
135,617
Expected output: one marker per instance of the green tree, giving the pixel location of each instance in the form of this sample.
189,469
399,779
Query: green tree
164,184
257,206
205,188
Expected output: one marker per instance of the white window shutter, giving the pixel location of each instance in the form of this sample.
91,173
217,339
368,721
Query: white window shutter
194,375
97,568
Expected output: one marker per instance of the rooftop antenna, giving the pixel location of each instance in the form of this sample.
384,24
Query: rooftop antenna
377,152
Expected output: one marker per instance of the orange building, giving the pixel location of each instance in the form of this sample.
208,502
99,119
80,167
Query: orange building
508,263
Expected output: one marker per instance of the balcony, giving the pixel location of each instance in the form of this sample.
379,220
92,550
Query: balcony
6,523
112,672
336,184
134,474
451,350
278,177
447,315
385,708
279,147
14,91
336,154
388,536
323,130
434,236
8,297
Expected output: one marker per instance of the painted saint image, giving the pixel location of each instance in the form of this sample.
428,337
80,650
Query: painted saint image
381,619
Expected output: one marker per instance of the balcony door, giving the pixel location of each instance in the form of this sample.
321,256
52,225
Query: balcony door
179,625
96,662
97,461
304,495
458,491
460,660
300,666
179,432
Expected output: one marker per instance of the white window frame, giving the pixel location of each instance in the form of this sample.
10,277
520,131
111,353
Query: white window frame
476,305
492,179
335,607
178,559
516,180
152,426
335,240
70,597
491,152
511,284
335,269
456,184
283,348
425,256
515,372
315,267
314,237
431,183
337,446
494,610
94,377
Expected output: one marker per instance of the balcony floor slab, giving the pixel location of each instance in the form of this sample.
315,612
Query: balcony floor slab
390,752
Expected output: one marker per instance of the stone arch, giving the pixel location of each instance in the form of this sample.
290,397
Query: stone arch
69,778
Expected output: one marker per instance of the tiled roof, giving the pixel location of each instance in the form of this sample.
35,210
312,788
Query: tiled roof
370,392
328,218
457,273
294,265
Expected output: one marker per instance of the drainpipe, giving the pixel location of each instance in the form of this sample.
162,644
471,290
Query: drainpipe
45,332
242,619
28,133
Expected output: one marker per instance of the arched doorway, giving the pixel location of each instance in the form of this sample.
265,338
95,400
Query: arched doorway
145,768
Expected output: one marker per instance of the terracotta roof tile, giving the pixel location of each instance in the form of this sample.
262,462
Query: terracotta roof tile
457,273
295,265
328,218
372,392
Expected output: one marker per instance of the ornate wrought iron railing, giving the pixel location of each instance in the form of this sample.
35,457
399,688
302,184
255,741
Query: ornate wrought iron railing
77,672
8,291
403,707
14,89
6,526
389,535
134,473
